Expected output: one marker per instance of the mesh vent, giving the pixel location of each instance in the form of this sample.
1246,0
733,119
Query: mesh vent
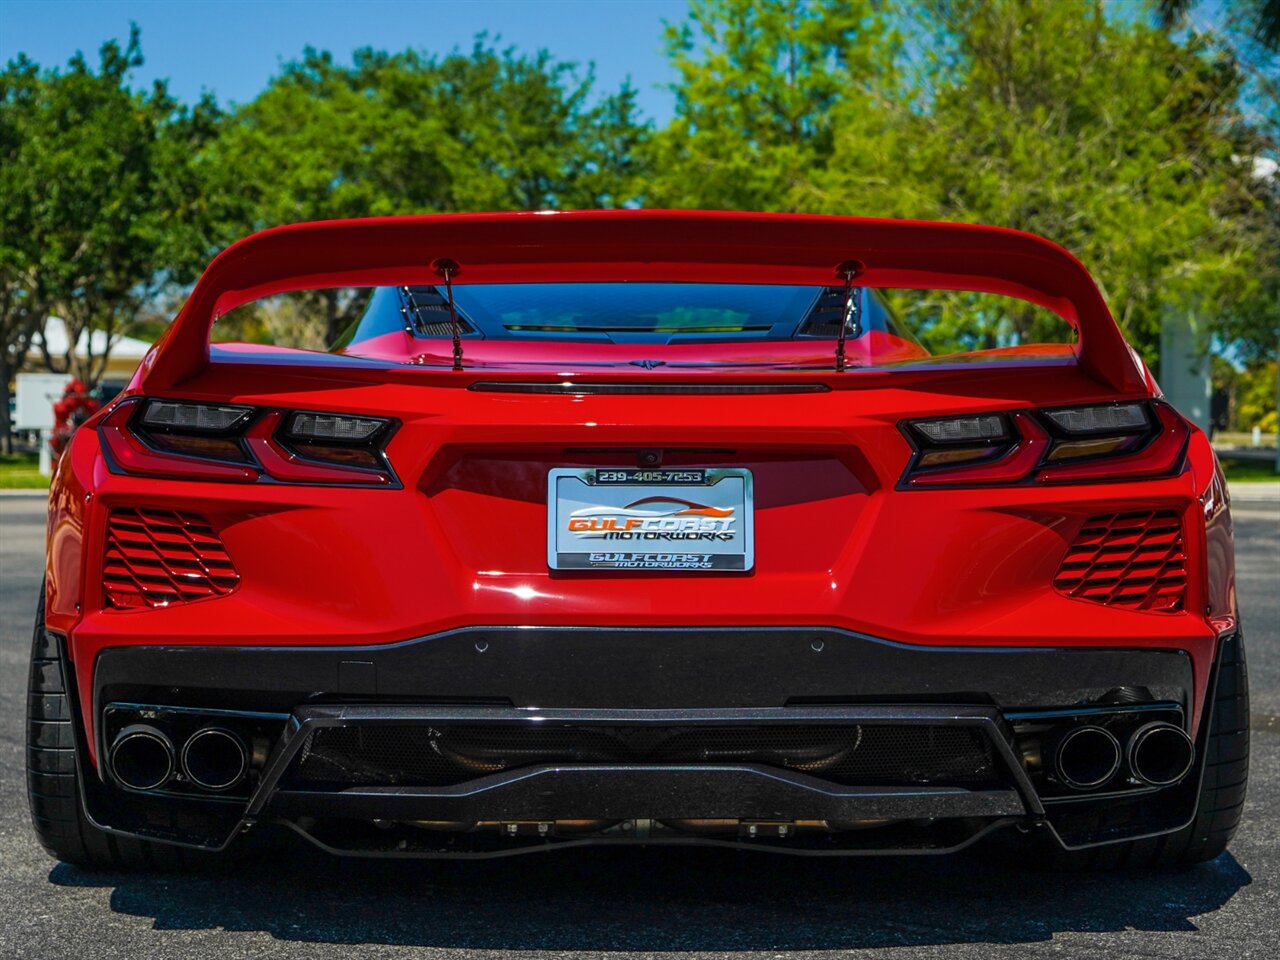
1134,560
825,316
432,308
422,755
158,557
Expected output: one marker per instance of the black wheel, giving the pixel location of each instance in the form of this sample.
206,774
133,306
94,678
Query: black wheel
1222,791
53,789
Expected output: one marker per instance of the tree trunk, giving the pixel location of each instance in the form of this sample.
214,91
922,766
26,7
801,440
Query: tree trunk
333,320
6,426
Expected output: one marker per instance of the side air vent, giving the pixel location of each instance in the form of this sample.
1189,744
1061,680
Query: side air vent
156,557
1134,560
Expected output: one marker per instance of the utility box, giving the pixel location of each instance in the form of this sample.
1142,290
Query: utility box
1185,373
34,397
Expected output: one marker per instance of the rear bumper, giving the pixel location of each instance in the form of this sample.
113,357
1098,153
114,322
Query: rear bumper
670,679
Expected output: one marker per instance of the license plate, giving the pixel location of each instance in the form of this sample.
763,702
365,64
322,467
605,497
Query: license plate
610,518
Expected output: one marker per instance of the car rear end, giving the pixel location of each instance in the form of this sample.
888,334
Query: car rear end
408,609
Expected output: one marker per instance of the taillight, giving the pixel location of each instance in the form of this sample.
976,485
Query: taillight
1112,441
135,450
199,441
296,460
206,430
1153,449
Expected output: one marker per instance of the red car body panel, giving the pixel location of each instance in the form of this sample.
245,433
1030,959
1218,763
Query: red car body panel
461,541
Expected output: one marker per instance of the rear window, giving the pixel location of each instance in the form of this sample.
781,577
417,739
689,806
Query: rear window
892,325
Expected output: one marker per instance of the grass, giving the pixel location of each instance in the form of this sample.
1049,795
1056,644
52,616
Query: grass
21,471
1249,471
1242,438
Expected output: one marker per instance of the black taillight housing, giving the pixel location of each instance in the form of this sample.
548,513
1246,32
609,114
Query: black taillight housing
1112,441
187,439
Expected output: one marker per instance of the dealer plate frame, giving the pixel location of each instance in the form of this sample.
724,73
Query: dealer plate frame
682,482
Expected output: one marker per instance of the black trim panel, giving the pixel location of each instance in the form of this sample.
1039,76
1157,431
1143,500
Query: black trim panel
638,668
627,791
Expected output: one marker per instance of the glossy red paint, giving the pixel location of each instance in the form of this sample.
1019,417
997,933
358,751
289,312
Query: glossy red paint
661,245
462,541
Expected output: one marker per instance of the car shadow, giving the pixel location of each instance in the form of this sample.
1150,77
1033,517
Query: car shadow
636,899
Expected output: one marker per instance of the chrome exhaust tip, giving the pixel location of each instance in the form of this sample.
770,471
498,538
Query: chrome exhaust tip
215,759
141,757
1086,757
1160,754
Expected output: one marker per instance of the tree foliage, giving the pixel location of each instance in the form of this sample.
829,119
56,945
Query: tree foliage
1131,136
759,88
1110,137
99,201
1257,398
398,133
1152,189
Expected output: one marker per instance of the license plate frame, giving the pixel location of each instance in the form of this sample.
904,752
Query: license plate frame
694,519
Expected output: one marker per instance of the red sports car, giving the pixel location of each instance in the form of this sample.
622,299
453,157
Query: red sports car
640,526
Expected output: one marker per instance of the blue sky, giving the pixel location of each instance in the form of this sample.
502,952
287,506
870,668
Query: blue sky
232,47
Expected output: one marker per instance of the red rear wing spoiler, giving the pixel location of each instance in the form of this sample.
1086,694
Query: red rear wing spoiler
654,245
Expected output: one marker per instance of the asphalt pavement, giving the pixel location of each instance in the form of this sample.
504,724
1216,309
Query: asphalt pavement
286,901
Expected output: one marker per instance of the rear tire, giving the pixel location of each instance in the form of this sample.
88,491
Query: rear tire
1222,791
53,785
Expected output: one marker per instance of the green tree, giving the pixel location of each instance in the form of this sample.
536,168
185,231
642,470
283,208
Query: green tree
1256,398
759,85
1154,191
23,302
1113,139
100,203
1109,136
414,133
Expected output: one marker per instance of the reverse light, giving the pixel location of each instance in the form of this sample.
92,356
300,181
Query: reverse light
961,439
1106,418
319,426
198,417
964,429
1114,441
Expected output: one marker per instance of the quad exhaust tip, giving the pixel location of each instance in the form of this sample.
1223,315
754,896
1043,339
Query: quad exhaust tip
215,759
1086,757
1160,754
141,757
